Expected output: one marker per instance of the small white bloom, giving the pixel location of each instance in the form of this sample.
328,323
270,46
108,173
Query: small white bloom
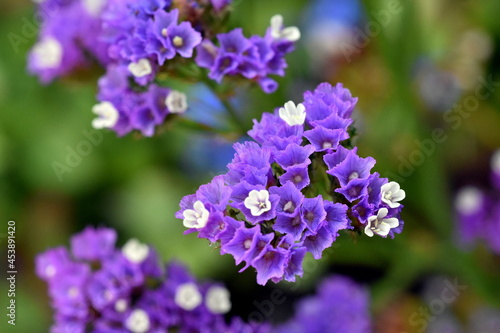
468,200
94,7
392,193
196,217
218,300
138,321
48,53
121,305
293,115
140,68
135,251
176,102
108,115
380,226
258,202
291,34
187,296
495,162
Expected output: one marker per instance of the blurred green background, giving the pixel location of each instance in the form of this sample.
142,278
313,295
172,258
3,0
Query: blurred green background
414,66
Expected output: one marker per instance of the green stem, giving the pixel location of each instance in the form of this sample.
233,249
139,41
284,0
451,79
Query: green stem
222,96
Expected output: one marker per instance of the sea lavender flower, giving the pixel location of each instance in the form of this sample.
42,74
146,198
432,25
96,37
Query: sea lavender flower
109,289
340,305
253,58
294,188
478,211
68,39
124,109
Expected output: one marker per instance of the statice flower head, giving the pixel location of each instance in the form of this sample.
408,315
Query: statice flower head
253,58
68,38
108,289
294,188
340,305
143,43
124,109
478,211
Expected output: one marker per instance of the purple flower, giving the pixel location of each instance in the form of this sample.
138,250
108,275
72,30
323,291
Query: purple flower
93,244
126,290
340,305
283,196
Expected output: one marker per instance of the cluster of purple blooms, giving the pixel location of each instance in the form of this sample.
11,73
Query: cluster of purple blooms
96,287
294,189
478,211
142,42
340,305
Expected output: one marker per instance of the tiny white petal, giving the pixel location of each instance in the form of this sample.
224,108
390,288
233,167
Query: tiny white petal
293,115
187,296
218,300
291,34
258,202
376,224
196,217
48,53
108,115
94,7
495,161
138,321
176,102
135,251
468,200
392,193
140,68
121,305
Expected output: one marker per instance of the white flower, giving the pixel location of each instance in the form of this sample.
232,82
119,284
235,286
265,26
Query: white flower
108,115
121,305
196,217
468,200
293,115
94,7
380,226
258,202
392,193
495,162
48,53
187,296
138,321
291,34
140,68
135,251
176,102
217,300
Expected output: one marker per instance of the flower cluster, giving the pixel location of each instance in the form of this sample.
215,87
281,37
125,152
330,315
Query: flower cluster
254,58
339,306
294,189
478,210
143,43
68,38
98,288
